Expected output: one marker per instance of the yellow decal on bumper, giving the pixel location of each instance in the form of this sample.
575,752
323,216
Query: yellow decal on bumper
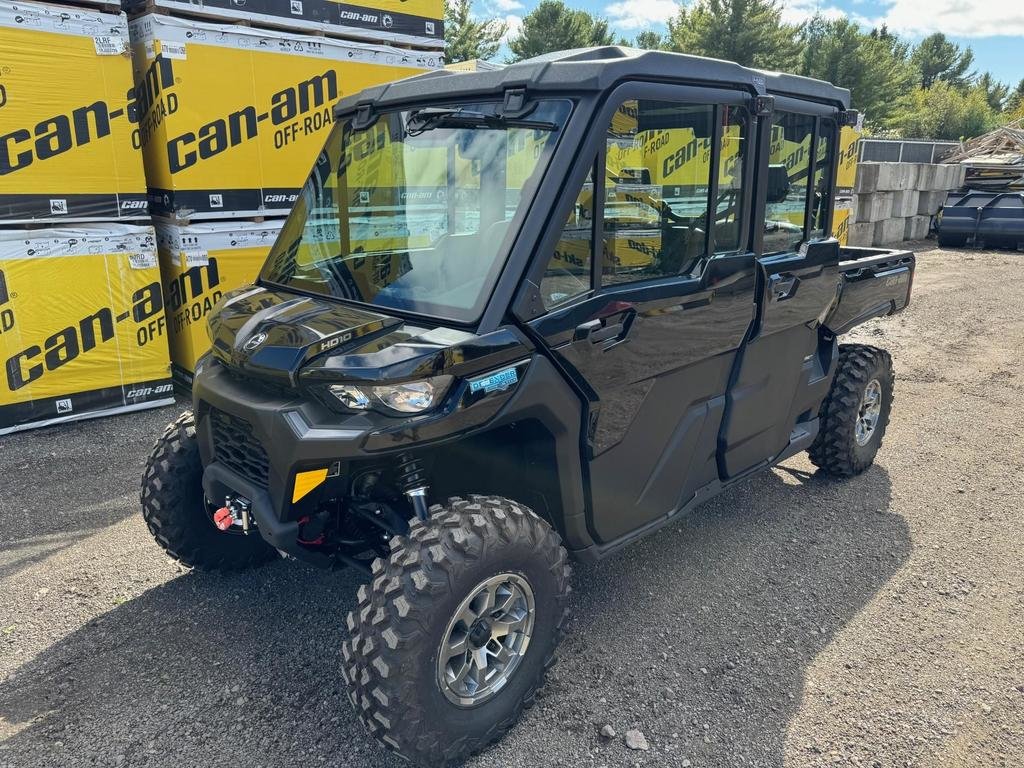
307,481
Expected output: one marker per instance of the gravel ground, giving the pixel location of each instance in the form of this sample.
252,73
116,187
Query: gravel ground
793,621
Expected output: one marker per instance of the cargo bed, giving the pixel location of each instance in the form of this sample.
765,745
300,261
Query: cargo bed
876,282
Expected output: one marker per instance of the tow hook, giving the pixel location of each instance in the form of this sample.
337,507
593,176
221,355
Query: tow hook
234,512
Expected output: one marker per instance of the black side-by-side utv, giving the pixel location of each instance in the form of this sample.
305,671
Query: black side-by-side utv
517,317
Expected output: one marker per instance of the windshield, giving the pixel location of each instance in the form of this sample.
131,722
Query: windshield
413,212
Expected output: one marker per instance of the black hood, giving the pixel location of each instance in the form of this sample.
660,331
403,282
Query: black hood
273,333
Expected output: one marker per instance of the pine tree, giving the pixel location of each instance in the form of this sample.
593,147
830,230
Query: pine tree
941,60
552,26
750,32
649,40
873,66
467,38
996,93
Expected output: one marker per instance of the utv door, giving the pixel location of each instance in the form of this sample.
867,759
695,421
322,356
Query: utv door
784,368
646,305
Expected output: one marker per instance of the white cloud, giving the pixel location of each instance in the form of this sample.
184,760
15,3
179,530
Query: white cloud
506,5
629,15
799,11
958,18
513,24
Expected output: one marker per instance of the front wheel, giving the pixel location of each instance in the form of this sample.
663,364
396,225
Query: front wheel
451,639
856,411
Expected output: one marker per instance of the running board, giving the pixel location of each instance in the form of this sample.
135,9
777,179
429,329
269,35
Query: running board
800,439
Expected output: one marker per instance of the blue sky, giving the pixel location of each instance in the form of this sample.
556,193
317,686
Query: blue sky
993,28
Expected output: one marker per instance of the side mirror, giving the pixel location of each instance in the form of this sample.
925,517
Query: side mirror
849,118
778,183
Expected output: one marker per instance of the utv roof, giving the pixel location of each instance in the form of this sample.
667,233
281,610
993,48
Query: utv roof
595,69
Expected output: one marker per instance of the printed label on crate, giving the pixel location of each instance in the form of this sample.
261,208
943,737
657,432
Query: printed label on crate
173,50
142,260
108,45
411,21
190,257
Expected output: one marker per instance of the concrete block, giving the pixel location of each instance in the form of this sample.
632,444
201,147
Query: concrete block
928,203
926,173
951,176
874,206
867,178
889,232
894,177
852,205
916,227
904,203
862,234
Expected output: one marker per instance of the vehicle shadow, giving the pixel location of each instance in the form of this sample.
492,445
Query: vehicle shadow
726,609
706,631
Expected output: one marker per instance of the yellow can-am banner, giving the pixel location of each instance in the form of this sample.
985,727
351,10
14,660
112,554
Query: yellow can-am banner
69,141
232,117
198,263
82,329
411,22
846,175
846,178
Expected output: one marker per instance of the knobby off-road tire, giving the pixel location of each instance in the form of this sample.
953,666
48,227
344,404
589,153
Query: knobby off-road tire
839,449
176,512
404,616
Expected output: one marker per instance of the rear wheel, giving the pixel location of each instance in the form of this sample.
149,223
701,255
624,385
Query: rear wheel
452,637
856,411
178,514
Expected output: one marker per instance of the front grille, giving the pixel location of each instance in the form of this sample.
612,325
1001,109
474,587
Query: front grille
236,447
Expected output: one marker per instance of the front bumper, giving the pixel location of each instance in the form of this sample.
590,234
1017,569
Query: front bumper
284,433
254,440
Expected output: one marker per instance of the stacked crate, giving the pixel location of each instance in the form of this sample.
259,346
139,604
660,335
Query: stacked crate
81,309
231,116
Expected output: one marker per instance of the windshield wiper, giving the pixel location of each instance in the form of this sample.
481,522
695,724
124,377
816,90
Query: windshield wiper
429,118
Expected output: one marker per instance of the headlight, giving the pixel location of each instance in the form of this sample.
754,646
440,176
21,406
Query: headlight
414,397
350,396
408,397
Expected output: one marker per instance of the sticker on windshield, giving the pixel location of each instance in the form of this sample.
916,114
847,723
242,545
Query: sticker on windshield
496,382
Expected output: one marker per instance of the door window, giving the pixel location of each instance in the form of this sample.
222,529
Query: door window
657,178
731,166
823,178
788,174
568,270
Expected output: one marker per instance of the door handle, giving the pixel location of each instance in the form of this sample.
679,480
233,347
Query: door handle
782,286
584,330
606,333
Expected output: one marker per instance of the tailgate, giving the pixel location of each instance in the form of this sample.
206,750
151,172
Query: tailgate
875,282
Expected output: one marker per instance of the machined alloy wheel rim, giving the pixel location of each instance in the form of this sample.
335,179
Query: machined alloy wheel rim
868,413
486,639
